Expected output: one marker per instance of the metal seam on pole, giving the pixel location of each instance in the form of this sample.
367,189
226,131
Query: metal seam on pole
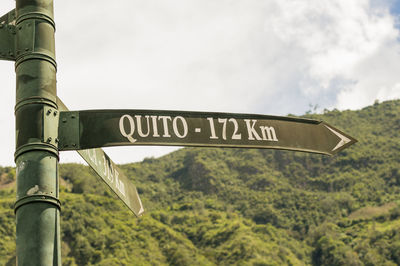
35,100
34,54
34,15
39,146
37,56
38,198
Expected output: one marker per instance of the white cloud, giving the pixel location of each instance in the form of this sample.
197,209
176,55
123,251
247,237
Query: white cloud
348,47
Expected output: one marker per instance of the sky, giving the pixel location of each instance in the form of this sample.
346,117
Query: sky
273,57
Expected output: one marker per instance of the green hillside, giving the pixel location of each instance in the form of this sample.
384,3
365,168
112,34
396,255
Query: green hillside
239,206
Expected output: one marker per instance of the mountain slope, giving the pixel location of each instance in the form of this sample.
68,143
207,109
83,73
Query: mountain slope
240,206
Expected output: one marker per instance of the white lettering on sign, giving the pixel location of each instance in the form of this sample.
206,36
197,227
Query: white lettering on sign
127,126
251,130
268,133
131,126
105,169
184,125
119,184
224,122
164,126
236,129
155,129
139,125
92,156
212,128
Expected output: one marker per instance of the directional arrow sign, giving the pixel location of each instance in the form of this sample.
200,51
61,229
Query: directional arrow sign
101,128
109,172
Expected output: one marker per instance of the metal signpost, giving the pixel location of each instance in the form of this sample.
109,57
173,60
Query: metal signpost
44,126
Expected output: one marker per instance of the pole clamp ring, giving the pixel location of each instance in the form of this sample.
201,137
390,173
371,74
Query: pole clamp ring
36,56
36,147
37,199
36,15
35,100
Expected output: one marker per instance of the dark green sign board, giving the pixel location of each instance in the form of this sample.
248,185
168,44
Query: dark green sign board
109,172
102,128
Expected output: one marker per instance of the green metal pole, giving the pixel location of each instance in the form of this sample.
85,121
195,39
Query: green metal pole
37,207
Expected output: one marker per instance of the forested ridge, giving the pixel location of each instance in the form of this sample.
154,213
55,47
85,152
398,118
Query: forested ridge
209,206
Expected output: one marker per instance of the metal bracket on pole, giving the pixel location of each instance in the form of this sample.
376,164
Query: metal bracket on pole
25,32
47,134
50,125
8,18
7,36
69,126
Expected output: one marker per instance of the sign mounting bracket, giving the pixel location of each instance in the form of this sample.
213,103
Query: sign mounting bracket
7,36
69,122
50,125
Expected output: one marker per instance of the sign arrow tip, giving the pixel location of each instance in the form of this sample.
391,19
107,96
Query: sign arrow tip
343,139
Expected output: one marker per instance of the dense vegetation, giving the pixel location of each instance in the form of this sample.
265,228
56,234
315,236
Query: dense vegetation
239,206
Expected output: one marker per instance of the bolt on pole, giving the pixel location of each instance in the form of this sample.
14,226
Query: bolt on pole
37,205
